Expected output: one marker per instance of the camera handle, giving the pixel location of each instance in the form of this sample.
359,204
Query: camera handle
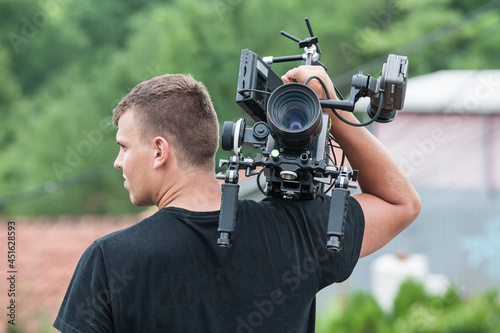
227,217
229,201
230,190
338,208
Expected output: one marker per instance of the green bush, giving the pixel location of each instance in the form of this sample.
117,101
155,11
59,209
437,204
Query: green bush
416,311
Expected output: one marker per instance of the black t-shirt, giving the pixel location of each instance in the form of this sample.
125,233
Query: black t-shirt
167,274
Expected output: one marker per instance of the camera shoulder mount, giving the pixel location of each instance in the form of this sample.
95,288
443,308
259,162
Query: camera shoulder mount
293,136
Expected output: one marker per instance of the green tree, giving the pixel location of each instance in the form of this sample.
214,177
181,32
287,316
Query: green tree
65,64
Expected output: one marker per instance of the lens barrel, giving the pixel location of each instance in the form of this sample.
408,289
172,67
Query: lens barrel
294,116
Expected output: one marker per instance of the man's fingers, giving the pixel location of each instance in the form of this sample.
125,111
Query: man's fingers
302,73
290,76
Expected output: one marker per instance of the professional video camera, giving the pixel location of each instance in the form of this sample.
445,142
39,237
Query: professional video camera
293,134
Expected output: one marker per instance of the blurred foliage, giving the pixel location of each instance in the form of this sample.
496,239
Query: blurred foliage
416,311
65,64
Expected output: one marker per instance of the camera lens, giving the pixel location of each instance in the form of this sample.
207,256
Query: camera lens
295,120
293,110
294,116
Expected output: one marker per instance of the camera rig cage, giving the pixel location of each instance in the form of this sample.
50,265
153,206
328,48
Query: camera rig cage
293,134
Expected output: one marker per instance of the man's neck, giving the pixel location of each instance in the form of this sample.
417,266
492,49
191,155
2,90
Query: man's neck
200,193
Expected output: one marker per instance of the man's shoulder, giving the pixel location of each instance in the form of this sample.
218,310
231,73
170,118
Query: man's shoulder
128,232
161,223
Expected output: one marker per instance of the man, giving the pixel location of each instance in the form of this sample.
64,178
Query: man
166,273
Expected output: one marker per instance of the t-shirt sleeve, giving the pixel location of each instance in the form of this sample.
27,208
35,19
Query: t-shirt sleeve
340,265
86,305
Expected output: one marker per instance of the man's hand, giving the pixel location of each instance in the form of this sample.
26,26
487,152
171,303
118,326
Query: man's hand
302,73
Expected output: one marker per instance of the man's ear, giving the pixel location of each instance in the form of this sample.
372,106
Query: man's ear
161,150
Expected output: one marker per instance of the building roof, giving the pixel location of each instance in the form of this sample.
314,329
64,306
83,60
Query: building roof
47,252
451,91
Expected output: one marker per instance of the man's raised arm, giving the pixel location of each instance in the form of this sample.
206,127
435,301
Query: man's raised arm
388,199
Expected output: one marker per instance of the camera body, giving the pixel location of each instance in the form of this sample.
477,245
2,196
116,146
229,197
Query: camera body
291,131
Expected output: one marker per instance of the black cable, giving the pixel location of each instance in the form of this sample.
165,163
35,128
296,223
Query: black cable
329,188
335,111
379,111
255,90
322,84
332,138
258,181
331,146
